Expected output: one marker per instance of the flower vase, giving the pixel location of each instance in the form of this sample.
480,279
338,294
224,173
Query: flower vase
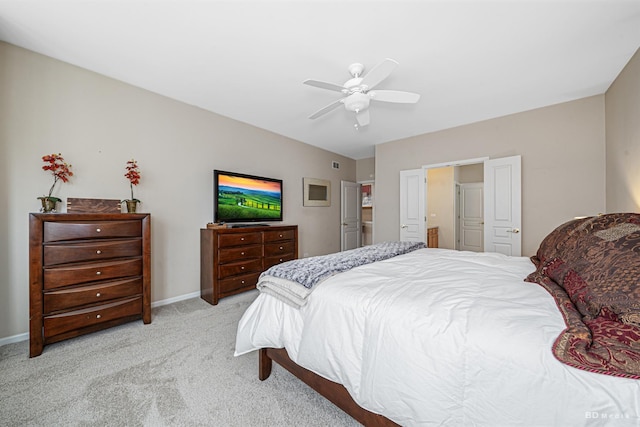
131,206
48,204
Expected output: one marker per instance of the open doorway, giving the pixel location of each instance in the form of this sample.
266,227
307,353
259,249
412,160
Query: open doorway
454,208
502,201
367,212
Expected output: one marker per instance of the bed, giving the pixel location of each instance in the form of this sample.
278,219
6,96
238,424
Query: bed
440,337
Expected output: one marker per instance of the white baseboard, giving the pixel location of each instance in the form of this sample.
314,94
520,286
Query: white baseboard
175,299
25,336
14,338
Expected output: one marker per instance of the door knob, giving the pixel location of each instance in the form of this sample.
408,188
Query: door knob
404,226
515,231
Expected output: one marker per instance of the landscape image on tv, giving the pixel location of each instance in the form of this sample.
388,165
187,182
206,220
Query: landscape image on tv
248,199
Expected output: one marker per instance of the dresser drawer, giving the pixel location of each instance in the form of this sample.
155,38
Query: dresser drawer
239,253
277,235
271,261
67,298
58,231
273,249
227,240
245,281
65,322
236,268
56,277
76,252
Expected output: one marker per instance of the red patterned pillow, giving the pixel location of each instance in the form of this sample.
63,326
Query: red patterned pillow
596,261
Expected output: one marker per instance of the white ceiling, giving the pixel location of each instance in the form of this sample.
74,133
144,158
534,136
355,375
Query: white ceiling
470,60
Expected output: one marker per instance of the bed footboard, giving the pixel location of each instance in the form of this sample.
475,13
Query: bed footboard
334,392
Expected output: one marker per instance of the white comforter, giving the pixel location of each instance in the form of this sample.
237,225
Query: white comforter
439,337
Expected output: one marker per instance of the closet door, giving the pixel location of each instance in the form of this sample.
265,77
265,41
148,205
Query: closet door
503,206
412,205
350,215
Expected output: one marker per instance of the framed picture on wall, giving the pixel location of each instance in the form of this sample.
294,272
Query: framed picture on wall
316,192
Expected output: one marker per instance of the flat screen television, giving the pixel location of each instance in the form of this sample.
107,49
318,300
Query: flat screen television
240,198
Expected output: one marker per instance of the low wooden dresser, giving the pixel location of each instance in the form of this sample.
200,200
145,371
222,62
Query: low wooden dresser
432,237
231,259
87,272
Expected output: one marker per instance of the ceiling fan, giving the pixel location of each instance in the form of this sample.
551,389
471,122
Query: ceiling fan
358,91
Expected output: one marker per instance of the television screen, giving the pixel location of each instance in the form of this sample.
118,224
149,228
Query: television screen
246,198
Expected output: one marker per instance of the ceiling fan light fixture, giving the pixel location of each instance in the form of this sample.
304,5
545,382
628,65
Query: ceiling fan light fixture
356,102
358,92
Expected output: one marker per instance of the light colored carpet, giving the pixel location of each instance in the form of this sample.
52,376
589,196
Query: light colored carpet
177,371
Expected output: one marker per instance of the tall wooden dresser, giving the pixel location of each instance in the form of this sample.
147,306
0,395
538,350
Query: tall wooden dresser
87,272
231,259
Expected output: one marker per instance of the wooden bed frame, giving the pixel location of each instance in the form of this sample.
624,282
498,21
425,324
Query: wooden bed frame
334,392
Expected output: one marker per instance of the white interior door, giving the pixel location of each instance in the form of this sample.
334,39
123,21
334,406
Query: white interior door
412,205
503,206
350,215
471,214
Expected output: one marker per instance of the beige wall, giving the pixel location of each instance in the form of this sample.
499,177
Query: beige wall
365,169
563,172
622,104
470,173
98,124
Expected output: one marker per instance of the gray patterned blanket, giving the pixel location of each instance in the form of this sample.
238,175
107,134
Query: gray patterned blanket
293,281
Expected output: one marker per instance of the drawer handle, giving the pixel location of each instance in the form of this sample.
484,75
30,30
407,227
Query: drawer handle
98,294
281,235
281,248
280,259
242,268
242,238
242,281
241,253
98,316
98,252
98,273
98,230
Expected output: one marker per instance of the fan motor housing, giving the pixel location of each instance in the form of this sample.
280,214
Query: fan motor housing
353,83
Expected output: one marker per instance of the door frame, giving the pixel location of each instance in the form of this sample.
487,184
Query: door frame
373,209
456,163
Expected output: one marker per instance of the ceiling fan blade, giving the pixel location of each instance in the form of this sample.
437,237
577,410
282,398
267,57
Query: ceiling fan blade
324,85
326,109
363,117
379,73
394,96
